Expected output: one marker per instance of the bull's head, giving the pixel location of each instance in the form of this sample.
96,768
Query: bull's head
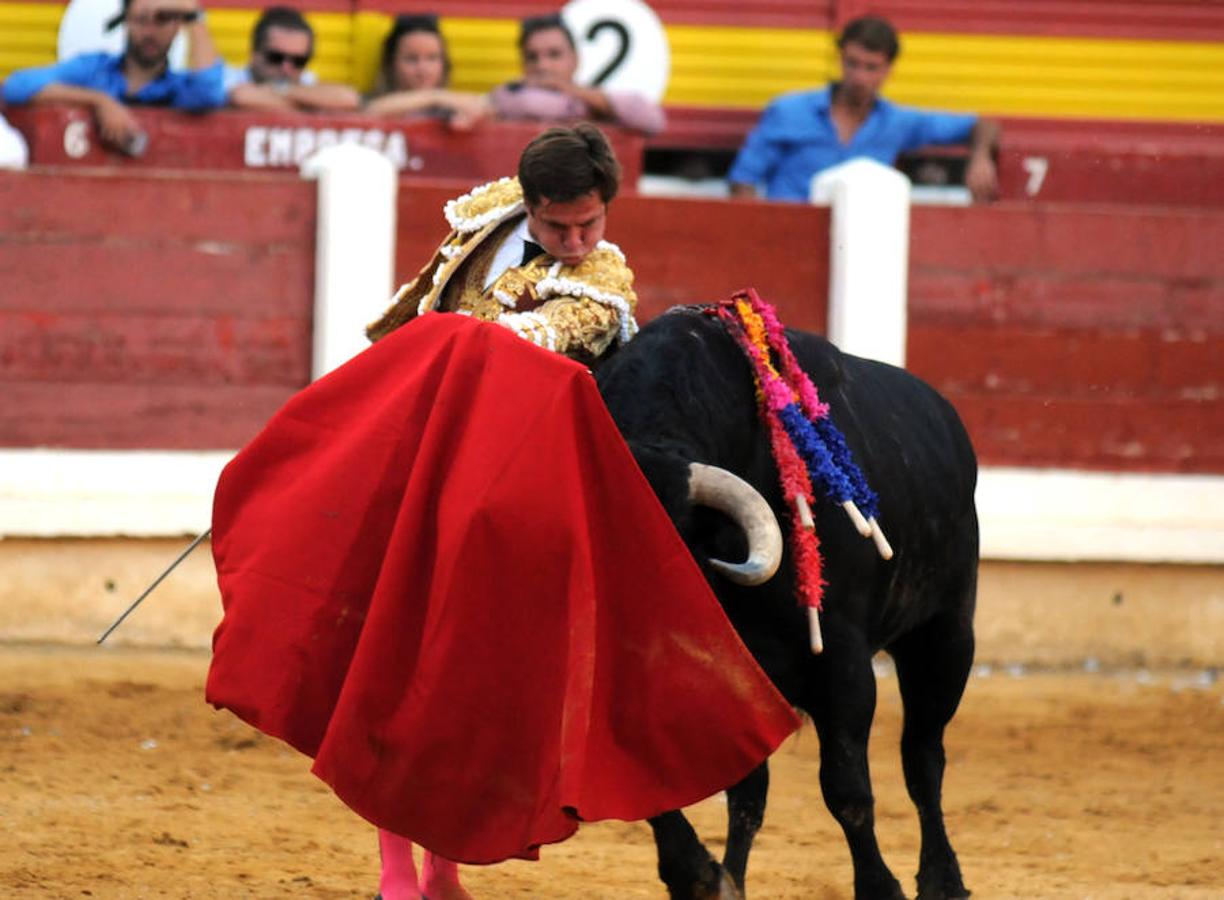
682,396
736,498
682,486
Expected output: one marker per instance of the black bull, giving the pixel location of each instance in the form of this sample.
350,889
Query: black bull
681,392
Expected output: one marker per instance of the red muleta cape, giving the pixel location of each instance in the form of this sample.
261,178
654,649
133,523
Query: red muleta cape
445,578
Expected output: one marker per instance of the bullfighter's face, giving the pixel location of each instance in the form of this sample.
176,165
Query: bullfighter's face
568,230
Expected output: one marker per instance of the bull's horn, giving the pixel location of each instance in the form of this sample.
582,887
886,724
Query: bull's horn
730,494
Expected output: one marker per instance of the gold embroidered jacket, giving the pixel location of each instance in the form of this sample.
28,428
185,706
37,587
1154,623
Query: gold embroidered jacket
575,310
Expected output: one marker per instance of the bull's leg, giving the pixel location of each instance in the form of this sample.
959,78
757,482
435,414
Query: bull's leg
685,865
933,665
842,707
745,813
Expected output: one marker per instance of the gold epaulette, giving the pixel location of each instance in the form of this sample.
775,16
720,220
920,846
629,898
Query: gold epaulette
484,205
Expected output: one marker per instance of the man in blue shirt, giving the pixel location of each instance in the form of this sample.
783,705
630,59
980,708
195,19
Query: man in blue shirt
141,75
282,43
804,133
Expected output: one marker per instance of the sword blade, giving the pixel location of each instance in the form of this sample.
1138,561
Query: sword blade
135,603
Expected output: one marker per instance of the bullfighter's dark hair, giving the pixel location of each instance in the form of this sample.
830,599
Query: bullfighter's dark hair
279,17
422,23
873,33
534,24
564,163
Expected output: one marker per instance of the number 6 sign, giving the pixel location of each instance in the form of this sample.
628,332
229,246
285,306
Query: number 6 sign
621,46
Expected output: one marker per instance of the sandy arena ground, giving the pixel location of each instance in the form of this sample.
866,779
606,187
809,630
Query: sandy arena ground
118,781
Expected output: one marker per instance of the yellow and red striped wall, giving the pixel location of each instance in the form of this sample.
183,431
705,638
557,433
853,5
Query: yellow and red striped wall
1159,60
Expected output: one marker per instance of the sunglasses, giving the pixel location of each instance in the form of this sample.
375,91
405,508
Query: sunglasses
276,58
166,17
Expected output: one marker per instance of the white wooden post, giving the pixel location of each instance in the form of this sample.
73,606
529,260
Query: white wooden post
868,257
355,252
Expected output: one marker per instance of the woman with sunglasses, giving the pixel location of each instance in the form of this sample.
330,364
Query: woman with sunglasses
414,77
282,44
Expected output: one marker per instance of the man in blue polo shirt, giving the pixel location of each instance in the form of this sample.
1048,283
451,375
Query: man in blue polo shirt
141,75
804,133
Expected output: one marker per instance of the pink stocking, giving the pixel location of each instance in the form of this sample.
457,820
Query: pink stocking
440,879
399,878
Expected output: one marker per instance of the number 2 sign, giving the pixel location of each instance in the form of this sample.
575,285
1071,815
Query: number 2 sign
621,46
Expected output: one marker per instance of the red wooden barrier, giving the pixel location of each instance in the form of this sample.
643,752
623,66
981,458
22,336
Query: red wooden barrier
146,311
159,311
1082,337
174,311
1053,160
234,140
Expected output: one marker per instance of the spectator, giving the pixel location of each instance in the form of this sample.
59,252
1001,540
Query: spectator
282,44
414,77
803,133
14,154
141,75
547,89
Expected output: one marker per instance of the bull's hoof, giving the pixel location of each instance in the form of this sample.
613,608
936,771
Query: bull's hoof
958,893
727,888
715,883
948,887
883,889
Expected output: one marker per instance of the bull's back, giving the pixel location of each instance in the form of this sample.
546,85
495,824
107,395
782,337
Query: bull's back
918,458
903,423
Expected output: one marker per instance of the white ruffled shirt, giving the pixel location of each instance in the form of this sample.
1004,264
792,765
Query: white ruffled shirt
509,254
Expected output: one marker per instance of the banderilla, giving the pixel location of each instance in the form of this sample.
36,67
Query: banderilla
135,603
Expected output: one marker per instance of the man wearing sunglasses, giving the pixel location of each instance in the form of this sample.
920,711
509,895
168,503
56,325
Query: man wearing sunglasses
282,44
107,83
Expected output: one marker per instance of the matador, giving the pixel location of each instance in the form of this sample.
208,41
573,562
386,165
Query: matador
531,258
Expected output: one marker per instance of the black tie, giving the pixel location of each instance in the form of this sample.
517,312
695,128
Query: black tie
530,251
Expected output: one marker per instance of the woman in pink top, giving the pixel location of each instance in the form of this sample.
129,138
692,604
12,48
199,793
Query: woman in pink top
547,90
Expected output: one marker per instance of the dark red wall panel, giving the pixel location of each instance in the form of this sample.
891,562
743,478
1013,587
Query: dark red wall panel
151,311
701,251
1192,20
1075,337
136,415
